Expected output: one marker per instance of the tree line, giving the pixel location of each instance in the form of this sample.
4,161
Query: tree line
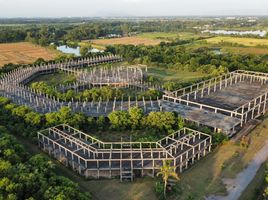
44,34
182,58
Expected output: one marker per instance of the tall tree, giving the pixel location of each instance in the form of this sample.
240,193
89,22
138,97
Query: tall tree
167,171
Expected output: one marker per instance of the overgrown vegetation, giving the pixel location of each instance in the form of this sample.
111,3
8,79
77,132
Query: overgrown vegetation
23,121
180,58
265,192
104,93
31,177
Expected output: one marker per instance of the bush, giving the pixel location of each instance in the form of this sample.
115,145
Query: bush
159,190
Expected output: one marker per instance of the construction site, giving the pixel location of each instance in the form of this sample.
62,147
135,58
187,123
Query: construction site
224,103
93,158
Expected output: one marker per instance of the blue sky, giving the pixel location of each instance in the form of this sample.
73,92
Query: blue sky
91,8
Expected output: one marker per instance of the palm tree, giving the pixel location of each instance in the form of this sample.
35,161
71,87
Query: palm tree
167,171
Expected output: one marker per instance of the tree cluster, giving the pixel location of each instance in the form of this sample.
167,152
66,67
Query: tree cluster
96,93
181,58
31,177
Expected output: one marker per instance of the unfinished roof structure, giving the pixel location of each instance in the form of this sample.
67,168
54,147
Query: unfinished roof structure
91,157
224,103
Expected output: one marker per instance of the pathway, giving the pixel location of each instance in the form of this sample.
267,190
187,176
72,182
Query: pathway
236,186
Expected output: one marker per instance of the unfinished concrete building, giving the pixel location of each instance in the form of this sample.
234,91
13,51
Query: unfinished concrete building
224,103
93,158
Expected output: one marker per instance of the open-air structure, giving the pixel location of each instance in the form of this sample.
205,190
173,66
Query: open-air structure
13,85
224,103
93,158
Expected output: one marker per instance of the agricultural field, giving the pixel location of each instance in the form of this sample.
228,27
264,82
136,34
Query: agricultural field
153,38
251,42
134,40
246,50
24,53
169,36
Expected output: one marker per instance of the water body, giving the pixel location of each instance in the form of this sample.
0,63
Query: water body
69,50
217,51
75,51
224,32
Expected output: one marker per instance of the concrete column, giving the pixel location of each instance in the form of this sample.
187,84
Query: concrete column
264,103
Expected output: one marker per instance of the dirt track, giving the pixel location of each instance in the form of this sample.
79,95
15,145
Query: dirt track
236,186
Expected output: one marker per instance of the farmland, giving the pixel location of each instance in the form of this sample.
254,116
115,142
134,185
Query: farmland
240,41
169,36
247,50
135,40
23,53
153,38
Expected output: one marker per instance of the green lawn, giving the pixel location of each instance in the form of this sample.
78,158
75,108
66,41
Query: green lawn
169,36
55,78
165,74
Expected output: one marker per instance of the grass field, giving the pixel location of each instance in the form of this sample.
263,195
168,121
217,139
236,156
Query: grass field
241,41
23,53
169,36
153,38
55,79
246,50
165,74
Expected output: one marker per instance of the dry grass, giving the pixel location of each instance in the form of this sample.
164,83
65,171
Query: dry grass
135,40
23,53
247,50
243,41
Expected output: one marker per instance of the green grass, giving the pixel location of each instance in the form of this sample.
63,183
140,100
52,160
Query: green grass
55,79
241,41
166,74
169,36
228,48
246,50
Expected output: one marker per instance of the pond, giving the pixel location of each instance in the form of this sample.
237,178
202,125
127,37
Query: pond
217,51
224,32
75,50
69,50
